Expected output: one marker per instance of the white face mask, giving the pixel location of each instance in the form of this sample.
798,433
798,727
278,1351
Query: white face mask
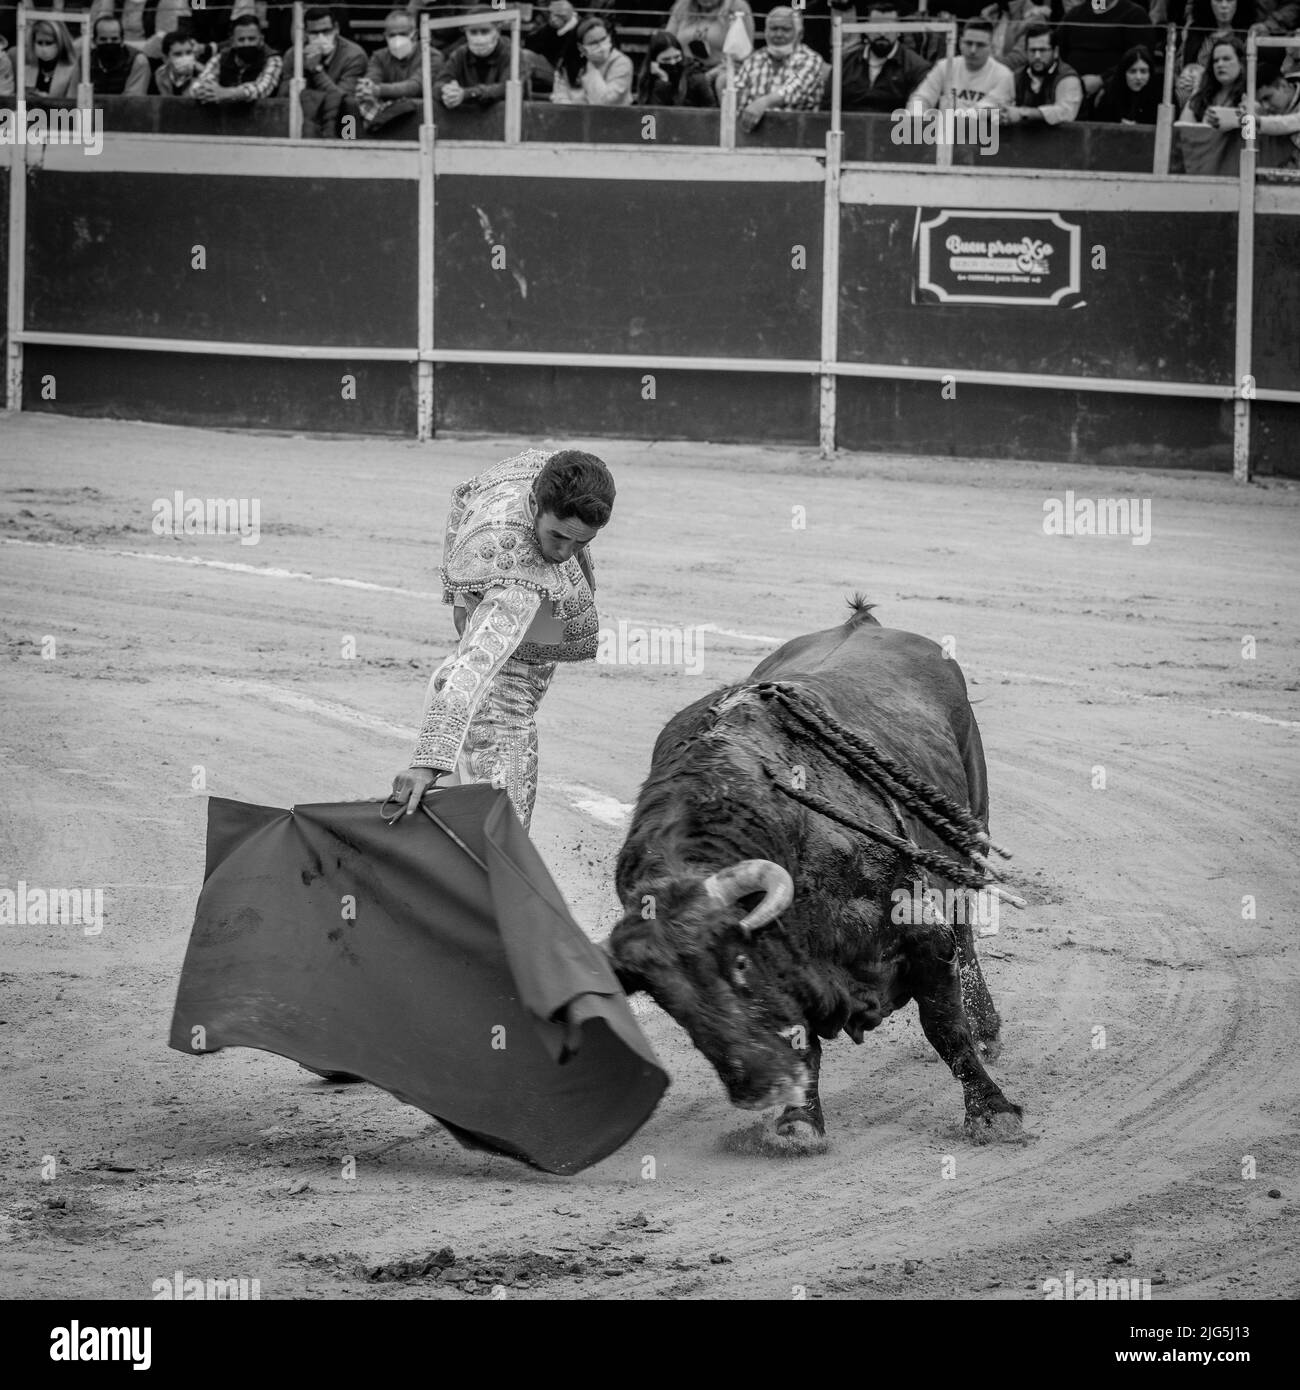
401,45
480,45
327,43
780,50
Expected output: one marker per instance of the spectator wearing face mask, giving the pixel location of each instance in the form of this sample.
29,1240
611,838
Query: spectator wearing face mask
331,68
390,95
115,69
784,75
606,77
180,65
670,78
52,69
477,70
246,71
884,72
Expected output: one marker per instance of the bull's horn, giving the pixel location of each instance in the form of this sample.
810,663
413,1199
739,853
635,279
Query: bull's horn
752,876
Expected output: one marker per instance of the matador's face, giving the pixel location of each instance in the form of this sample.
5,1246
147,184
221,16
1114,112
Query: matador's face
560,540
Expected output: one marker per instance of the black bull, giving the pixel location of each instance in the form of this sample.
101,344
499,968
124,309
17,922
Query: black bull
760,921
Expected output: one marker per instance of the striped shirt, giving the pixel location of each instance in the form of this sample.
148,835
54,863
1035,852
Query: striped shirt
799,79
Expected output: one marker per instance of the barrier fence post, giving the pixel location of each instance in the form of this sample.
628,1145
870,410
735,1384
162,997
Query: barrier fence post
1165,113
297,84
943,149
514,87
17,231
425,286
837,74
426,70
727,128
1243,388
85,92
828,401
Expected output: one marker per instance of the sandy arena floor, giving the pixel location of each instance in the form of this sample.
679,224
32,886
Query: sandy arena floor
1081,652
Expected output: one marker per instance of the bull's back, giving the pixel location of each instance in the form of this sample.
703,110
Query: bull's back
899,690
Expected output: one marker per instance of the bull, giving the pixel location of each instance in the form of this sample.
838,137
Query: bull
775,851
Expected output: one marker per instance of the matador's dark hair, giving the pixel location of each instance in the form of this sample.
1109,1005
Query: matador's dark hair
572,483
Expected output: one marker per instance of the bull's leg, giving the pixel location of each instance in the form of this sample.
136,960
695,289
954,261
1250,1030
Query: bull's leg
975,996
795,1120
938,995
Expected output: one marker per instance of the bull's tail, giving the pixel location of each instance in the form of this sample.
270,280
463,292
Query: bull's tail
861,612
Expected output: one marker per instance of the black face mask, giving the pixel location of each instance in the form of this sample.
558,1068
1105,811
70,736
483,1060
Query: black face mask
880,47
109,50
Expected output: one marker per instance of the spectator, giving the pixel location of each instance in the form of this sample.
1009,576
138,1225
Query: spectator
1096,34
1276,18
115,69
6,72
784,75
881,75
1277,106
1130,95
180,65
390,96
331,68
1048,91
701,26
606,78
52,68
554,45
1010,22
974,79
1210,20
171,17
477,70
245,71
670,78
1223,83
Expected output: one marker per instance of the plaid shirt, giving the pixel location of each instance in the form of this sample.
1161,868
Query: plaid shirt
263,85
799,79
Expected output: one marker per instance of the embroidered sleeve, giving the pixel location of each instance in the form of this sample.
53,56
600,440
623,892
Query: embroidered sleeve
459,502
494,630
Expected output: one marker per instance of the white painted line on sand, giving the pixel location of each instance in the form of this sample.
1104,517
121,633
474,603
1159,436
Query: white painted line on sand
1246,714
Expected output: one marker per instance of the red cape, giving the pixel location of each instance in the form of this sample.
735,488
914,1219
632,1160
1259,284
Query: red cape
462,987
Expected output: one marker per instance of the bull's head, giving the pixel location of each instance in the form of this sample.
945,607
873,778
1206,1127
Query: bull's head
700,956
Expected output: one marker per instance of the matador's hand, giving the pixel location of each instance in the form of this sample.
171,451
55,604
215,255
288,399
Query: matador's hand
411,784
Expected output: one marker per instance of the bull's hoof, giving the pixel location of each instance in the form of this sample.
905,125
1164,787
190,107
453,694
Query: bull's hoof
763,1140
998,1127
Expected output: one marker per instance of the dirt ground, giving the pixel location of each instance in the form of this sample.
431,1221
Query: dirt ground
1082,653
